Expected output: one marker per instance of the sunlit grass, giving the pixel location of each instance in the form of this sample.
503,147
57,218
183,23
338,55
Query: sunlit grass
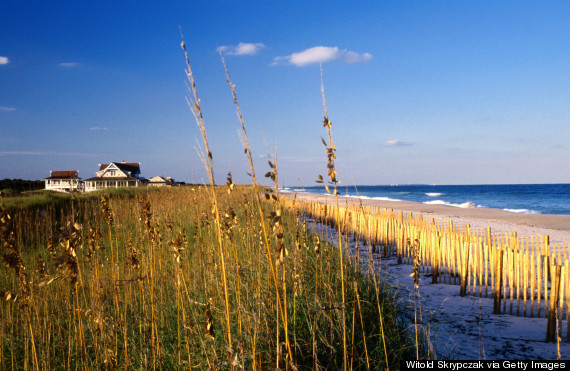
139,286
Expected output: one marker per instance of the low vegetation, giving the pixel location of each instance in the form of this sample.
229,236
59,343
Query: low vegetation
134,281
11,187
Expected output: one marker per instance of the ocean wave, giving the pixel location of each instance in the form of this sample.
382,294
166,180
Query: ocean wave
434,194
374,198
465,205
293,190
523,211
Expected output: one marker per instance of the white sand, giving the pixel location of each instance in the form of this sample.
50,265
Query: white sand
464,327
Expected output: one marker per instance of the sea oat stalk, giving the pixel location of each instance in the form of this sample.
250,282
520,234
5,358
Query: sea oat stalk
247,150
194,104
331,149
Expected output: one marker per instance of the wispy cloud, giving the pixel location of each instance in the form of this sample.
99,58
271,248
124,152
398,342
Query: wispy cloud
4,60
241,49
69,64
7,109
322,54
396,143
45,153
95,128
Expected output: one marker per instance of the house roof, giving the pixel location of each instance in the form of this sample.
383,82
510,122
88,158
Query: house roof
63,174
133,167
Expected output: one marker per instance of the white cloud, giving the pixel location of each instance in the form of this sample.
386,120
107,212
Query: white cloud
4,60
98,128
7,109
242,49
396,143
69,64
322,54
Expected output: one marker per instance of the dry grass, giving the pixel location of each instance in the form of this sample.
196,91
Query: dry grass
136,283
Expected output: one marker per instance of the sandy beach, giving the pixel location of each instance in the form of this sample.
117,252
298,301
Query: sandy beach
463,327
557,227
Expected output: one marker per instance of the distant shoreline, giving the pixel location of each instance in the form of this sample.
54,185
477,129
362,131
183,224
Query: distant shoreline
514,198
555,226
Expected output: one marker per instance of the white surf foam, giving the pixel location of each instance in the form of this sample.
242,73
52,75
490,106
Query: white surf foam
465,205
523,211
374,198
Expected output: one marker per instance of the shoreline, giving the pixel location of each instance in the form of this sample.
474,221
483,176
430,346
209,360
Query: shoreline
557,227
463,327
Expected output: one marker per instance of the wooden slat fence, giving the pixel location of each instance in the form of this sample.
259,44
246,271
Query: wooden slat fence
526,276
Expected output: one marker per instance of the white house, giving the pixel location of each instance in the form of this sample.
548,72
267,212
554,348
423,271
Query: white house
115,175
160,181
63,181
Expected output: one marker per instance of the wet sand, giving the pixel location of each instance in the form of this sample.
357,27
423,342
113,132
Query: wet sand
557,227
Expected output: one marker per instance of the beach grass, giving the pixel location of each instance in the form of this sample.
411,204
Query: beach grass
135,282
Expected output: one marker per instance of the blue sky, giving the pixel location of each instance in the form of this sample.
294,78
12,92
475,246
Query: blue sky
437,92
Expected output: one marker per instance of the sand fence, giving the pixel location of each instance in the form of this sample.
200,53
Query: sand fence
526,276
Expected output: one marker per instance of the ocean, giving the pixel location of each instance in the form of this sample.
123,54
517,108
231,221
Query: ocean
516,198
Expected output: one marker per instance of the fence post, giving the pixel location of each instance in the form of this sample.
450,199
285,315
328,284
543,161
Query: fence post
498,282
435,260
465,263
402,243
561,294
566,297
555,290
